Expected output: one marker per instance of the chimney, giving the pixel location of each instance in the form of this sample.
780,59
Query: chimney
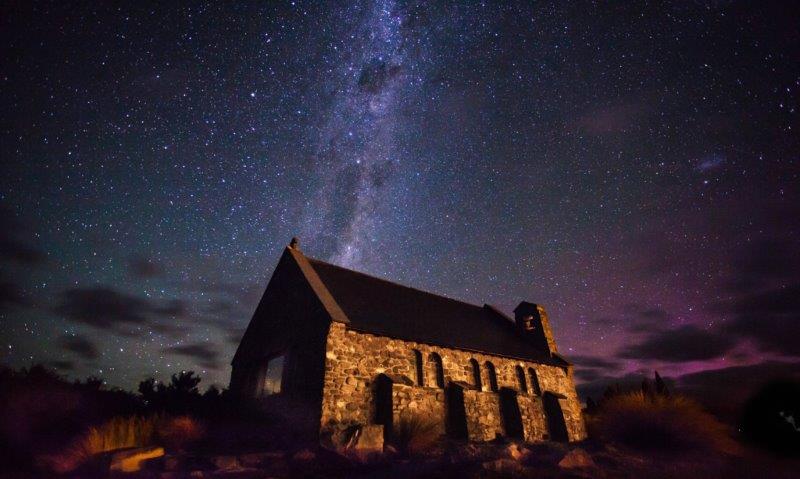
532,321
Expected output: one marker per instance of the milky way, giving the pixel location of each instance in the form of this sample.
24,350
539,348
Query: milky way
633,168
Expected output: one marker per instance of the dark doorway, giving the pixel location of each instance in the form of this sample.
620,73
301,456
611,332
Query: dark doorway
383,404
509,410
456,413
556,425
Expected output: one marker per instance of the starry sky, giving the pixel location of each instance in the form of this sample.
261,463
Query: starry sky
633,167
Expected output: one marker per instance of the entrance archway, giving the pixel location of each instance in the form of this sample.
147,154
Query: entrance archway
456,424
509,410
383,403
556,425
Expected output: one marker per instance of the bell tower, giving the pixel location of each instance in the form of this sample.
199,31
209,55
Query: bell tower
532,321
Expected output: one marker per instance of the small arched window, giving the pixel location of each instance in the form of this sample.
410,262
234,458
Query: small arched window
436,369
492,374
523,384
419,376
476,374
535,388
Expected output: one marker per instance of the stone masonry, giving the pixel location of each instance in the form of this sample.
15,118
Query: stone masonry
354,360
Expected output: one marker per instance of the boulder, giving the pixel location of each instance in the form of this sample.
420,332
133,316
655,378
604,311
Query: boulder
575,459
131,460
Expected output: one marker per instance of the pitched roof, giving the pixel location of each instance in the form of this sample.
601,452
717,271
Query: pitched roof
384,308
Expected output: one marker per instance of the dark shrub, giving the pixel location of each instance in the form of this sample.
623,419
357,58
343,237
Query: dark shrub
771,418
655,423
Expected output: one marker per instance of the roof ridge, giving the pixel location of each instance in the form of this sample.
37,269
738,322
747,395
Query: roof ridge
393,283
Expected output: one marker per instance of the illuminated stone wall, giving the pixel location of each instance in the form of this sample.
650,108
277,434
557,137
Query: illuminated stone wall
354,361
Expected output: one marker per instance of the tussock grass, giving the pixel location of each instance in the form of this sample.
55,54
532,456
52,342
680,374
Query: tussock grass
655,423
415,433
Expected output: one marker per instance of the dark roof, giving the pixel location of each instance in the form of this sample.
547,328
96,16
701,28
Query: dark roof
384,308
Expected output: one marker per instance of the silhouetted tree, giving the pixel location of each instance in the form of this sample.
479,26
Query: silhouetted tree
647,388
184,383
661,386
212,392
93,382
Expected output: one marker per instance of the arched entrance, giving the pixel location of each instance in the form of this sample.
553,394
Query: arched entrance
509,410
383,403
456,424
556,425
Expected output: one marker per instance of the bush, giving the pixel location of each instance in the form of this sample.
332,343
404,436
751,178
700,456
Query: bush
415,433
658,423
117,433
771,418
179,431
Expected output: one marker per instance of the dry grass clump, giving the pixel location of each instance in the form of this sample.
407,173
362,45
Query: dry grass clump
117,433
125,432
415,433
177,432
659,423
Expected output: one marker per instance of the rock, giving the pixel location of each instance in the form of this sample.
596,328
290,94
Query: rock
173,463
504,467
368,439
389,449
226,463
304,455
576,458
256,459
513,451
131,460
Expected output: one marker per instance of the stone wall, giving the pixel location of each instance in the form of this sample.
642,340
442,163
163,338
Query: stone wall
408,401
533,421
484,421
354,360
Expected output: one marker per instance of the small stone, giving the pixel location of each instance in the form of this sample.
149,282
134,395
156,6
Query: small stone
225,463
514,452
172,463
304,455
576,458
255,459
503,466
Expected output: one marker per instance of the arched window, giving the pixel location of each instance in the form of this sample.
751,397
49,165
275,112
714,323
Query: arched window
476,374
523,384
492,374
420,377
436,369
535,388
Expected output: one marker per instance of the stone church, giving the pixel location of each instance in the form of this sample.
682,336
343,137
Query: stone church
352,351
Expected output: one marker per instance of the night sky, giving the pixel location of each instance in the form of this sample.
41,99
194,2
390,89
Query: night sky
635,168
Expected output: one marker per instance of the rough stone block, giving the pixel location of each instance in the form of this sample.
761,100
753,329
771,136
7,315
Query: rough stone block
131,460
